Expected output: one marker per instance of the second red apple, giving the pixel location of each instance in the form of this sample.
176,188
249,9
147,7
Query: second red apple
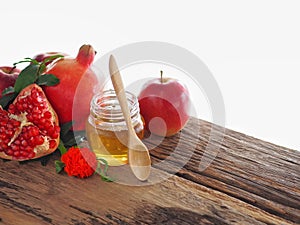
164,105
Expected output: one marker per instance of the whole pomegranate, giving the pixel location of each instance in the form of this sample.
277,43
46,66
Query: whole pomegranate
8,77
76,78
29,128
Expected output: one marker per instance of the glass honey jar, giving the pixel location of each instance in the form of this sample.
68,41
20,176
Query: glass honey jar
106,129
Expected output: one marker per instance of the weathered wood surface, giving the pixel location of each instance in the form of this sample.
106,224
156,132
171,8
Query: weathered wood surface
249,182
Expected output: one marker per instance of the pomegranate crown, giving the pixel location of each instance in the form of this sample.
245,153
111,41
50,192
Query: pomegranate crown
86,55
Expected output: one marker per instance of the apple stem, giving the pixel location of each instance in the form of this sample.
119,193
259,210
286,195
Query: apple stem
161,76
12,69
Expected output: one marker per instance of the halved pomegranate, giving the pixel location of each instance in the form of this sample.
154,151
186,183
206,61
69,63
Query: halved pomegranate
29,128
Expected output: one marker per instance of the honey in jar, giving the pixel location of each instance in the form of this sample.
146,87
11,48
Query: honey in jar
106,128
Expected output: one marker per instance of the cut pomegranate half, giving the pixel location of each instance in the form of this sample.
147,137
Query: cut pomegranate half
29,128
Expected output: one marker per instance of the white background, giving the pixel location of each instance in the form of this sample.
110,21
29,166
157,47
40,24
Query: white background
251,47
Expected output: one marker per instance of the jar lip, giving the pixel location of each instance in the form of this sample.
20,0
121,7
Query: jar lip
106,105
112,93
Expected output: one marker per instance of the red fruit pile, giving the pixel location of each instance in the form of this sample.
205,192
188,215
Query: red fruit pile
30,128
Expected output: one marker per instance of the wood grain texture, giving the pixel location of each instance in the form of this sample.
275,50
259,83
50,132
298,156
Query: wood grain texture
249,182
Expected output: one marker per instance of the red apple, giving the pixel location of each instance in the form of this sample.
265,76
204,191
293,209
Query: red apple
8,76
164,105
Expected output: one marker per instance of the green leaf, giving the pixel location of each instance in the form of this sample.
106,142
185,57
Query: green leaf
42,68
52,58
103,173
105,164
7,99
70,141
59,166
26,60
69,137
33,61
65,128
107,178
61,147
26,77
47,80
8,90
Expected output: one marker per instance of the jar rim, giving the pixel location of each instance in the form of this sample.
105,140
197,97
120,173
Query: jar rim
105,105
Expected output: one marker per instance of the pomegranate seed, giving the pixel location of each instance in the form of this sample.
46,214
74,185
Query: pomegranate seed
38,140
16,153
11,108
24,143
28,149
14,147
25,135
47,115
19,107
31,142
9,152
29,117
9,132
16,123
4,146
42,121
54,135
29,98
47,124
57,129
34,131
31,155
36,110
34,94
38,99
52,143
36,117
41,106
24,153
50,130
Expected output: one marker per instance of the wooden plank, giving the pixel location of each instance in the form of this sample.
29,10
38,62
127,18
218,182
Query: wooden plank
249,182
262,174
